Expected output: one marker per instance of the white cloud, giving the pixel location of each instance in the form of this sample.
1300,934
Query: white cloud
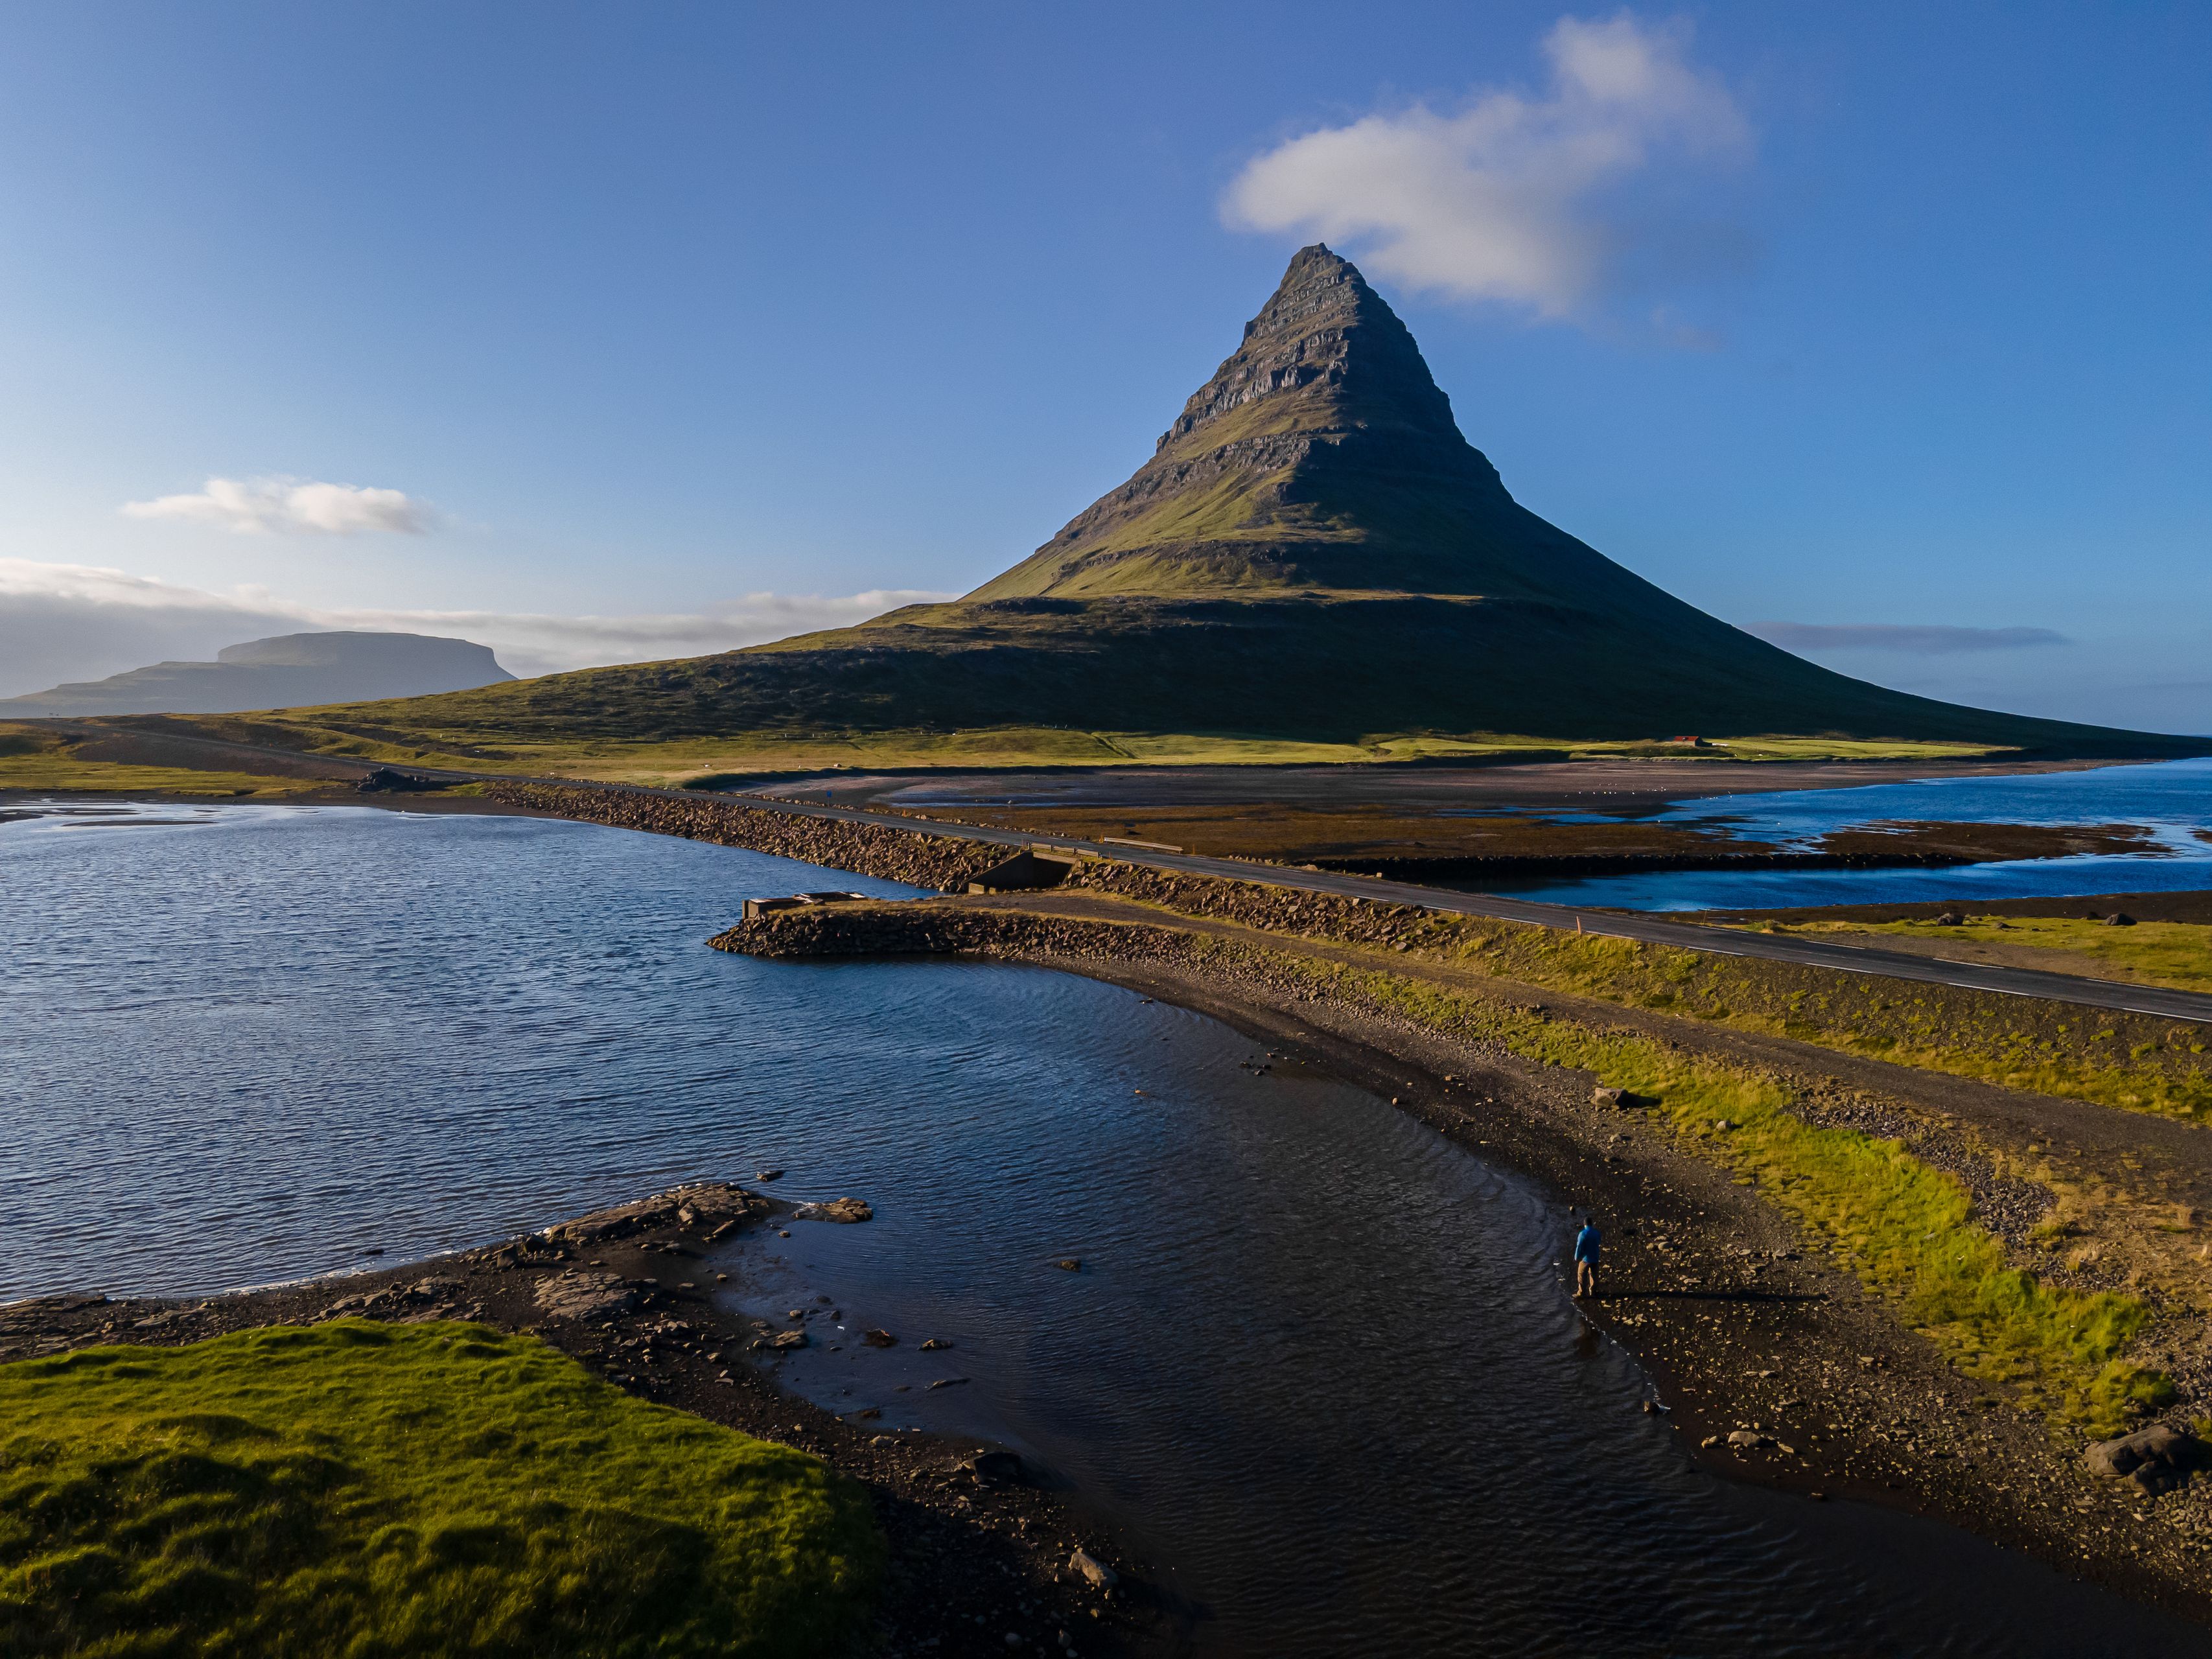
1502,200
291,506
61,622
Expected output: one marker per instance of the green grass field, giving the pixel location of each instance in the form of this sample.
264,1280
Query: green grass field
2178,954
363,1489
376,733
2129,1060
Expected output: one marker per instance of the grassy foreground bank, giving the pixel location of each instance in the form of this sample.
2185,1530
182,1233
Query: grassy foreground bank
355,1487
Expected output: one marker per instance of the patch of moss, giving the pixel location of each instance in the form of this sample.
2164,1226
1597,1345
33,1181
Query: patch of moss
395,1490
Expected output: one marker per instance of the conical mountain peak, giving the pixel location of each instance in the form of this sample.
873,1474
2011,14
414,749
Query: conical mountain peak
1321,455
1328,344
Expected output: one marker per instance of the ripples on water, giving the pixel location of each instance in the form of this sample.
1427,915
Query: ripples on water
1319,1360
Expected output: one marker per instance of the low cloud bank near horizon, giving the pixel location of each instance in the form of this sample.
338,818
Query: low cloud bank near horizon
1920,640
1517,197
61,623
292,507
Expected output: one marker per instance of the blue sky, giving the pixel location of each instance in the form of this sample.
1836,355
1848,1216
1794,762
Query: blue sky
668,327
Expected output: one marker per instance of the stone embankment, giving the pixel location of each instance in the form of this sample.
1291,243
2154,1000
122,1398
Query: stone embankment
867,849
922,860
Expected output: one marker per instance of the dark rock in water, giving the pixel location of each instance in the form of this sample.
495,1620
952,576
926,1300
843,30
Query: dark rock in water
769,1175
879,1339
837,1209
386,781
996,1467
1069,1264
934,1345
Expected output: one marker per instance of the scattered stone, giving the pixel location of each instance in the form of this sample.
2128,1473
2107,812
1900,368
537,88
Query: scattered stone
586,1296
1094,1570
837,1209
1605,1096
784,1340
1749,1440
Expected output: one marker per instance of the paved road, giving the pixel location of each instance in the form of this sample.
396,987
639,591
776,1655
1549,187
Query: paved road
2189,1006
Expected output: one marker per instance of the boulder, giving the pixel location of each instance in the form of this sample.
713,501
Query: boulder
1091,1568
1950,919
2119,920
837,1209
586,1296
996,1467
879,1339
1749,1440
1604,1097
2157,1459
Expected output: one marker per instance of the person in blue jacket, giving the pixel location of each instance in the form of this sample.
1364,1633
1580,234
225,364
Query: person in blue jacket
1587,1244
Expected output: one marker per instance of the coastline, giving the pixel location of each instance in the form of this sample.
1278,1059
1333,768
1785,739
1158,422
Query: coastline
977,1553
1741,1321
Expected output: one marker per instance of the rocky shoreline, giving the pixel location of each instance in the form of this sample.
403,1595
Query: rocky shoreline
981,1560
1772,1366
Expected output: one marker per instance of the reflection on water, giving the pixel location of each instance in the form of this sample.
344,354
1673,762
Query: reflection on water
1318,1361
2173,797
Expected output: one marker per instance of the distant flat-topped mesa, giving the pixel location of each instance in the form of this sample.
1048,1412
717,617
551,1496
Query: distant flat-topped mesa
291,670
1314,553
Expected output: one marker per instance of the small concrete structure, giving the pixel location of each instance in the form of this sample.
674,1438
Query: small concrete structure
757,908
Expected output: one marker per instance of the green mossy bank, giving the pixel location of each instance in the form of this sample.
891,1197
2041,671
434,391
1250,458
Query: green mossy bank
363,1489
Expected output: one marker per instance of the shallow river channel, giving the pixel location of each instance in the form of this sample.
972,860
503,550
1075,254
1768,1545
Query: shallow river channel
1318,1366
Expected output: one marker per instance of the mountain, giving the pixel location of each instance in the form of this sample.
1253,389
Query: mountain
1313,552
289,672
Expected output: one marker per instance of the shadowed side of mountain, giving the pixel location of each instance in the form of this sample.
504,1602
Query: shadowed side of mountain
289,672
1314,553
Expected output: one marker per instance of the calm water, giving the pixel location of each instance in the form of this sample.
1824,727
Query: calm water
1318,1362
2174,799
